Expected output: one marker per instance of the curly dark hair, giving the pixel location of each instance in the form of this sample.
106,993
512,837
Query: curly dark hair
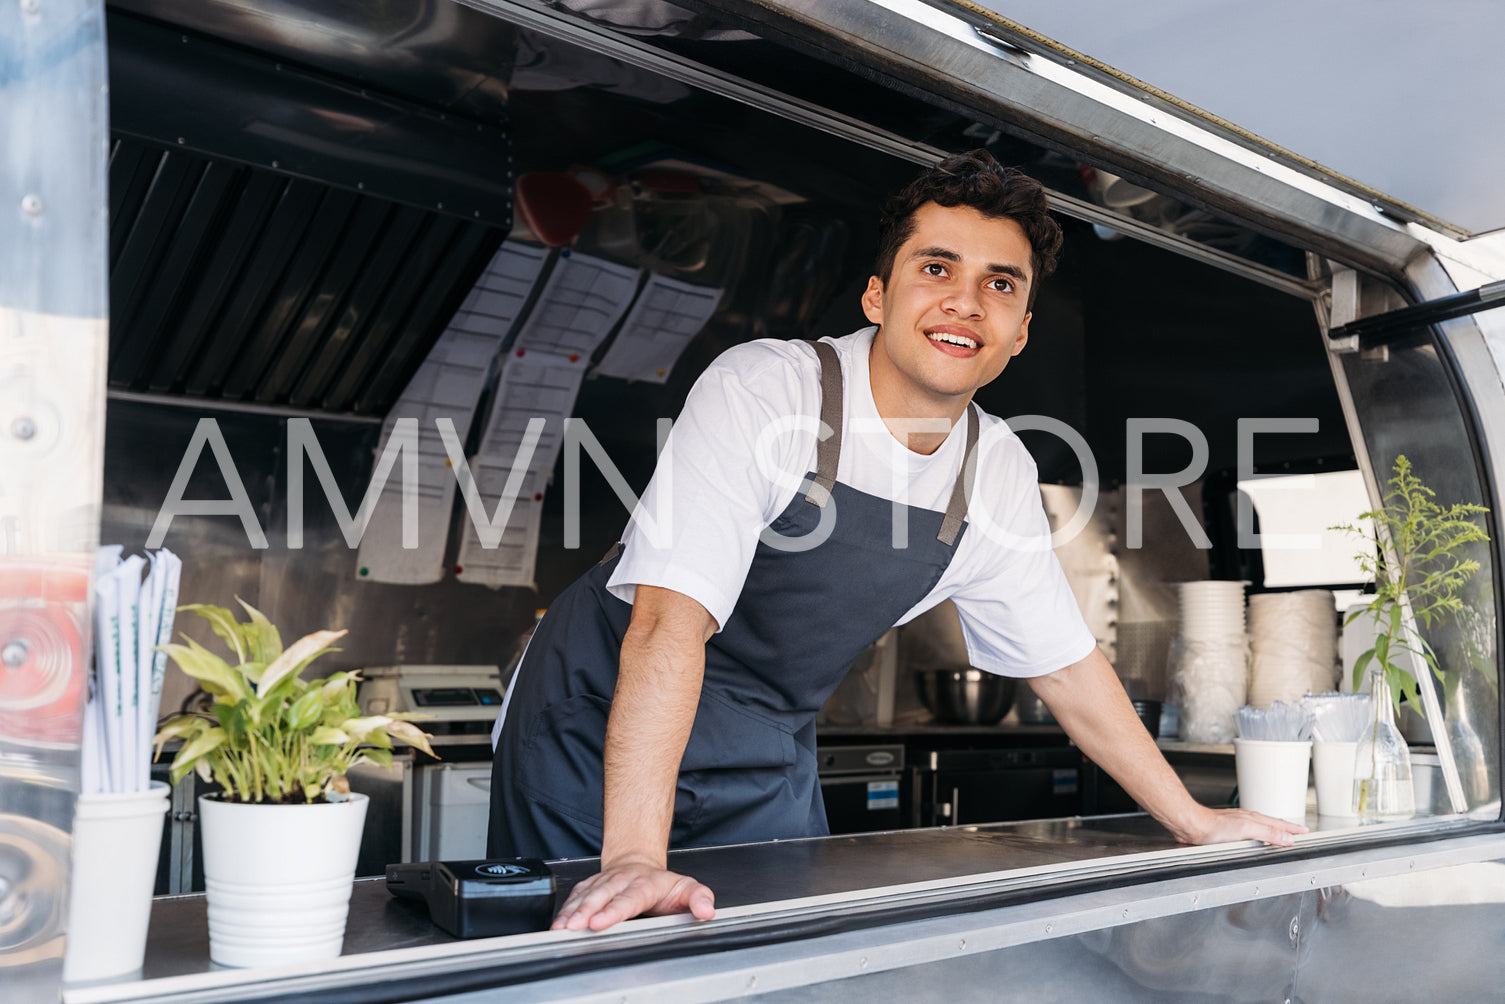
977,180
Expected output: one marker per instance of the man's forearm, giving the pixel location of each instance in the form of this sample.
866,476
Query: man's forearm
1088,701
652,712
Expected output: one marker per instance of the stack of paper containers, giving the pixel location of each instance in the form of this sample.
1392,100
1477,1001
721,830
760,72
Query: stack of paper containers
1294,641
1211,659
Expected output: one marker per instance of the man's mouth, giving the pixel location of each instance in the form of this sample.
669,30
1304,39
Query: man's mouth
945,337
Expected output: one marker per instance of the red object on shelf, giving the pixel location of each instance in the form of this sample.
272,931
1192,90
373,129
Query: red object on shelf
42,609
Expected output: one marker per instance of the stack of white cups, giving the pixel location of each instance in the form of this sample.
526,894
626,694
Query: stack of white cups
1294,639
1212,659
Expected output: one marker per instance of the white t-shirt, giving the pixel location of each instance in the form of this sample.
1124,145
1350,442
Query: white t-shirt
734,460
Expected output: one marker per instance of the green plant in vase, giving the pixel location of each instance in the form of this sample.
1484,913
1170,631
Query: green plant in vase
1426,565
273,737
279,745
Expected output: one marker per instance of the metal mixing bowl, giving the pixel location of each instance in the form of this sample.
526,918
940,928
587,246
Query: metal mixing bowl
965,696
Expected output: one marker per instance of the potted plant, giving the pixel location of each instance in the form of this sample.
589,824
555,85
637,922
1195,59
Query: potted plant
1427,565
281,840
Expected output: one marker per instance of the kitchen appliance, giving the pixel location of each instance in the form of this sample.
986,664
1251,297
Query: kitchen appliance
861,787
462,700
961,695
958,786
479,899
451,808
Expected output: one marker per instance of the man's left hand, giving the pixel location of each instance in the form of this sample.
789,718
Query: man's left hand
1218,826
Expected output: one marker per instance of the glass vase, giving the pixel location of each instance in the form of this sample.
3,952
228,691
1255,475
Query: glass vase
1382,764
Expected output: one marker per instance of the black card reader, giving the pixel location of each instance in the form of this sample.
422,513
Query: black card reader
479,899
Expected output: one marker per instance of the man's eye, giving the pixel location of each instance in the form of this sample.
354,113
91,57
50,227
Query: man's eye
1002,285
935,268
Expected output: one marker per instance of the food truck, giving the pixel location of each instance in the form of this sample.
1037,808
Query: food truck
245,243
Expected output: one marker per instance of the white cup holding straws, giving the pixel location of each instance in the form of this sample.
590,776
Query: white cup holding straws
1272,776
116,839
1333,768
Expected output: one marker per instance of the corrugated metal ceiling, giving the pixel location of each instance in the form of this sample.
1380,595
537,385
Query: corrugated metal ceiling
239,283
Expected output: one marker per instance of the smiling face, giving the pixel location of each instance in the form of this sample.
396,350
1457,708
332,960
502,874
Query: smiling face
953,313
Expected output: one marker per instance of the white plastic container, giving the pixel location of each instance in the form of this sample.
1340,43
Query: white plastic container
1332,768
278,877
116,839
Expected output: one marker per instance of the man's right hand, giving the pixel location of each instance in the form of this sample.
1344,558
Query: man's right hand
626,891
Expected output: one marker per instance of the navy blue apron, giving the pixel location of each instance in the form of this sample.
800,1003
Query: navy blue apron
802,618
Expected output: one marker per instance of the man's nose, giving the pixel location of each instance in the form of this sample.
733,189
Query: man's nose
963,301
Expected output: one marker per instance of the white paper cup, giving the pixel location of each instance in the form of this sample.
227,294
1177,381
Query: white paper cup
116,838
1332,766
1272,776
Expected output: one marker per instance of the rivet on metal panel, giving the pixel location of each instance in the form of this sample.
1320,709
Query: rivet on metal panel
180,141
275,164
15,652
1126,911
1256,890
1195,897
441,205
31,205
1295,927
1410,864
1049,928
862,963
962,944
752,981
360,184
23,428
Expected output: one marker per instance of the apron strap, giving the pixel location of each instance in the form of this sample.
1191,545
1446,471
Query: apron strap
828,450
956,509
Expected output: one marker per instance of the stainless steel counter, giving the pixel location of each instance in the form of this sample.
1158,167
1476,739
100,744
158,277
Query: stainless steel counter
768,894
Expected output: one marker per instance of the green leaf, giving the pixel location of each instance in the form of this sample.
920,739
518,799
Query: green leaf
1360,664
305,711
339,683
213,673
411,734
233,718
325,735
224,624
296,656
380,757
194,749
262,638
182,727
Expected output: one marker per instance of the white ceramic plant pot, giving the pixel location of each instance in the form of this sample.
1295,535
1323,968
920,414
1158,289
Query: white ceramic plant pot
278,877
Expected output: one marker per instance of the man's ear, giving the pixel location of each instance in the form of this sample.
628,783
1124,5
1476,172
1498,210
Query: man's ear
872,300
1023,336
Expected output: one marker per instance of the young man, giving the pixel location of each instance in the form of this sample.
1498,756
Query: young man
815,496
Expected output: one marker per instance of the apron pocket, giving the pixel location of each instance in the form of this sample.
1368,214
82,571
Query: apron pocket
729,736
561,761
561,765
